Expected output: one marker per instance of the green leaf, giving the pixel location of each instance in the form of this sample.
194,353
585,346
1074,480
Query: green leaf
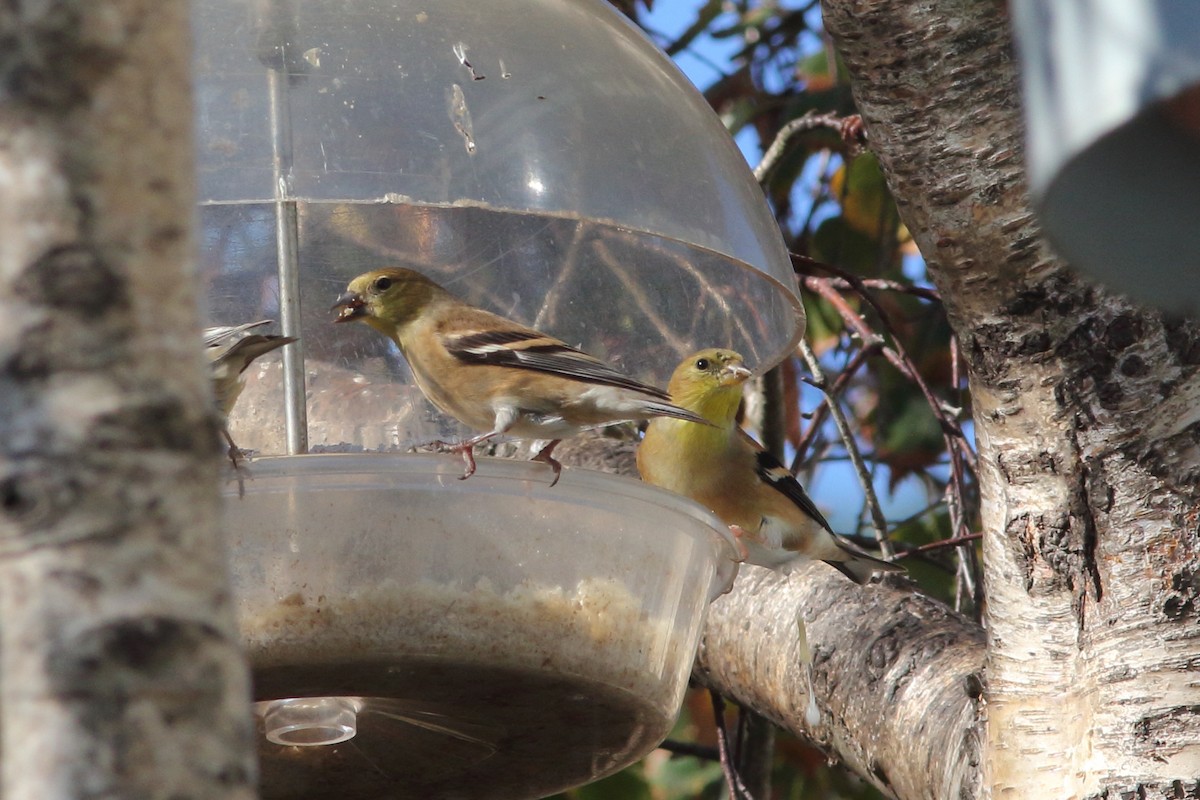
867,205
686,778
836,242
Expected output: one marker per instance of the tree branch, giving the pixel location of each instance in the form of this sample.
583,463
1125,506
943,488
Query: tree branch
878,520
833,393
896,674
849,128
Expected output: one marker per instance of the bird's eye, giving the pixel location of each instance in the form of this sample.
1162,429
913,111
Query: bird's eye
383,284
702,364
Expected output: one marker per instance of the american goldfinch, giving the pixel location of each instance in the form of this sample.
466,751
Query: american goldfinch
230,349
721,467
493,374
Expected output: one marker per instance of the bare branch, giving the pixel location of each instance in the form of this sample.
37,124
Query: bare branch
850,129
944,543
834,392
878,520
896,354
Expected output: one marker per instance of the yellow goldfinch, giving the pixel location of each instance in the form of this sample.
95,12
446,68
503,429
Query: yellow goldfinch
722,468
230,349
493,374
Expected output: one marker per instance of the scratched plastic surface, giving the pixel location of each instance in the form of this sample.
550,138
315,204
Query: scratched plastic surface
539,157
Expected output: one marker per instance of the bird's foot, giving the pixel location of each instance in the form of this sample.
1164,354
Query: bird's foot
240,472
544,456
468,457
465,448
237,457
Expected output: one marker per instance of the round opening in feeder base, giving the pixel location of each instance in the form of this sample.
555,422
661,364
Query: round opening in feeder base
309,721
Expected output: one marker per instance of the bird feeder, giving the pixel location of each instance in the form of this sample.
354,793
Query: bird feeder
1112,111
411,634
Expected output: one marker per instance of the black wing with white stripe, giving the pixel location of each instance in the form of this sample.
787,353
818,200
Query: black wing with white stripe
780,478
535,351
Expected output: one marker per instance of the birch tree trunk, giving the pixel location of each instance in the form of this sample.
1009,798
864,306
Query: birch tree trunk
120,674
1086,411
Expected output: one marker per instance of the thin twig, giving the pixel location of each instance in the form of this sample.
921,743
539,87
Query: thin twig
886,285
903,549
734,781
967,555
896,354
955,369
755,752
800,262
808,122
835,391
956,541
856,283
878,520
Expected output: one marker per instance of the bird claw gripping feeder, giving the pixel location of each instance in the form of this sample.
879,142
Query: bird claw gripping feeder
411,634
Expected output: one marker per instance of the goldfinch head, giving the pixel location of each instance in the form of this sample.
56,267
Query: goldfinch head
710,383
386,299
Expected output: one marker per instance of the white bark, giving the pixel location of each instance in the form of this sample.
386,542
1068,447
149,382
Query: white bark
896,675
1085,411
120,674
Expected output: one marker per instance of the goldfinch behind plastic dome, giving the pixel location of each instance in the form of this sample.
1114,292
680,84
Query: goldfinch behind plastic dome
723,469
230,349
493,374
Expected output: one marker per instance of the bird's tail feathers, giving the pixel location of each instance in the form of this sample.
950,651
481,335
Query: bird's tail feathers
256,345
858,565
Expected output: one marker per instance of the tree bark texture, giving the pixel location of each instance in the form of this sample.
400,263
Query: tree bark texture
1086,413
120,671
896,675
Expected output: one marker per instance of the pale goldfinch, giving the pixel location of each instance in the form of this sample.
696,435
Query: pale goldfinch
722,468
230,349
493,374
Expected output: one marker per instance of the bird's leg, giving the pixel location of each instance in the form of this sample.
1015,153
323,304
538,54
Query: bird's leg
234,453
468,457
505,417
738,534
235,457
544,456
466,448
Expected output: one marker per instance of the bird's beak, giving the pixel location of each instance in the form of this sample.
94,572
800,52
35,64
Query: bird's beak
351,305
734,374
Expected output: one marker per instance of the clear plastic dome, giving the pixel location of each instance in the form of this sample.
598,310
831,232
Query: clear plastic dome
540,158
